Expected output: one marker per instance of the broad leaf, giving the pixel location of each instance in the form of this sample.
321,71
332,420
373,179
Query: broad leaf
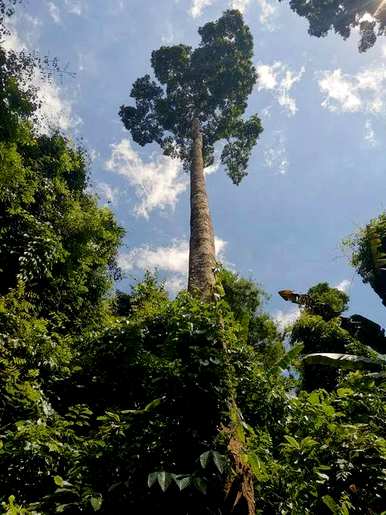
219,461
164,480
204,458
349,361
96,502
331,504
183,482
292,442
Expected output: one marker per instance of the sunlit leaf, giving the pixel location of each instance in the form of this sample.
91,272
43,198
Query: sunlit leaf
96,502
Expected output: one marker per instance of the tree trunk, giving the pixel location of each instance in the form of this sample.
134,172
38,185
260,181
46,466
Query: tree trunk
238,489
201,252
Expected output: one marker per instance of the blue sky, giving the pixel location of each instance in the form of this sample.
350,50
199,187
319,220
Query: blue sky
316,175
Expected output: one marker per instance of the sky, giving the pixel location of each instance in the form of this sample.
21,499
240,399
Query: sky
316,175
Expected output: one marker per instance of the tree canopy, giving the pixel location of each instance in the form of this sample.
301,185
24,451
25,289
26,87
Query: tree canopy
211,84
344,16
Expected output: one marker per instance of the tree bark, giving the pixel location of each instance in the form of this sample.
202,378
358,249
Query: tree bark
201,251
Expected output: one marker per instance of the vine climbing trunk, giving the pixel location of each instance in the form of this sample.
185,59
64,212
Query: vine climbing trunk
239,488
201,249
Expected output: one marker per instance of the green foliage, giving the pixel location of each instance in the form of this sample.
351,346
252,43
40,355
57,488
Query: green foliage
344,16
57,250
245,299
55,241
323,332
144,395
368,249
319,335
167,350
209,84
10,508
327,301
333,452
242,295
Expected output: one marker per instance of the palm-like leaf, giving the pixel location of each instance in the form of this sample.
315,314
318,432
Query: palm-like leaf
347,361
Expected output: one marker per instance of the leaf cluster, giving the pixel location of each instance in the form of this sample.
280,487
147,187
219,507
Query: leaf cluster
368,248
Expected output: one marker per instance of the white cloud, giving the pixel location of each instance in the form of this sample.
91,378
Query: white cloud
267,76
275,153
175,283
283,319
172,260
13,42
55,111
343,285
157,184
267,14
198,6
267,9
279,80
367,17
54,12
241,5
220,246
212,168
364,91
30,29
340,92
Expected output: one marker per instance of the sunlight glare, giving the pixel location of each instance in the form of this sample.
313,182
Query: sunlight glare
382,3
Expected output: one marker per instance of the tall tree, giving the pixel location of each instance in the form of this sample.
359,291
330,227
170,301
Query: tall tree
199,98
343,16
